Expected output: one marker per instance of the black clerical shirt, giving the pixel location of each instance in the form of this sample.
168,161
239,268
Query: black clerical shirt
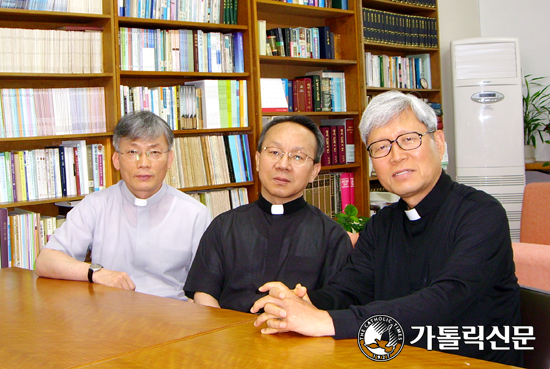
249,246
451,267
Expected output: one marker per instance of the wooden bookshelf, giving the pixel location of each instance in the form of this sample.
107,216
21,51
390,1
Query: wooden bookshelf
347,24
433,94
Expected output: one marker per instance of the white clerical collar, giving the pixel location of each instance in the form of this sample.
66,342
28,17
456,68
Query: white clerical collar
412,214
277,209
140,202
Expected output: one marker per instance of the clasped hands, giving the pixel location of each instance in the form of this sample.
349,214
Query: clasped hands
288,310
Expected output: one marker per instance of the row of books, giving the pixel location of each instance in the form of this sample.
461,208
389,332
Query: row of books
299,42
27,112
50,51
426,3
72,6
202,11
207,104
338,4
331,192
182,50
210,160
23,233
411,71
220,201
322,90
339,141
399,29
71,169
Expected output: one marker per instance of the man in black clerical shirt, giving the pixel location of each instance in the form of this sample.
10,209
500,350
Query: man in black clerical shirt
440,258
278,237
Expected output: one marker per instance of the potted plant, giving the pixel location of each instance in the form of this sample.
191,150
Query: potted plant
350,220
536,115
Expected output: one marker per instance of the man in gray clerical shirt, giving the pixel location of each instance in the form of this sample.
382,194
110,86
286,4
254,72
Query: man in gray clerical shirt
142,233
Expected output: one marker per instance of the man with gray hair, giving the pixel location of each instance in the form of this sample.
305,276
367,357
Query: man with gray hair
142,233
439,258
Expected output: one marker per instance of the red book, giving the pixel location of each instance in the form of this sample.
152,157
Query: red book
345,190
326,158
334,144
352,188
350,141
77,170
299,94
309,94
341,144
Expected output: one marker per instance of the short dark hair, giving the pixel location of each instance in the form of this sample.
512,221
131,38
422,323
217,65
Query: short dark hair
142,125
303,121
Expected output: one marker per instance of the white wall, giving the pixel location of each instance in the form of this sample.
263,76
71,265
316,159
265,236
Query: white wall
527,20
457,20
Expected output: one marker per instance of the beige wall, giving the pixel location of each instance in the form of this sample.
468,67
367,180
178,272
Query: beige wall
458,19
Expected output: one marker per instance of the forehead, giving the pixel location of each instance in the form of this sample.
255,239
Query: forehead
290,134
144,143
403,123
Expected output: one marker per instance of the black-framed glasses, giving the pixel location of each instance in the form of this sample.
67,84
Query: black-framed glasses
294,157
136,154
406,141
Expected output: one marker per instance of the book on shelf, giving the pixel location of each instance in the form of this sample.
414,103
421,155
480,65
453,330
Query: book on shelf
423,69
5,260
335,82
262,37
210,160
273,95
220,201
46,112
330,192
82,6
341,138
70,49
212,11
385,27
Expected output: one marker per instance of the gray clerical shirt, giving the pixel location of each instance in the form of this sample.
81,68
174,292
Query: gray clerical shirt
153,240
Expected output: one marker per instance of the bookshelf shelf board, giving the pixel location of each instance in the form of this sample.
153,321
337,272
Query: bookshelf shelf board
47,17
341,166
58,137
55,76
287,60
217,187
384,89
270,6
397,6
400,48
193,75
198,132
18,204
171,24
312,113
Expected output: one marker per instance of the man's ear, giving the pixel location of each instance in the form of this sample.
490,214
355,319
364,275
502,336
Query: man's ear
315,171
257,161
116,159
439,137
170,158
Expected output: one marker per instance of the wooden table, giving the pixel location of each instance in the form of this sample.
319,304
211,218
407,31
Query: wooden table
63,324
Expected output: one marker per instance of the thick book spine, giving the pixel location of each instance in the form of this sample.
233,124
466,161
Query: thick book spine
4,263
326,158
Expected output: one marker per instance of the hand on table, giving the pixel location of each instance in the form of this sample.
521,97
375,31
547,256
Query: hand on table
288,310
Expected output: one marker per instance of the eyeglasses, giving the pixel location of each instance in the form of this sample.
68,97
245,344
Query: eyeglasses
297,158
406,141
136,154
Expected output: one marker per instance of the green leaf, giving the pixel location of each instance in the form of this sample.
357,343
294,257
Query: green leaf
351,210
